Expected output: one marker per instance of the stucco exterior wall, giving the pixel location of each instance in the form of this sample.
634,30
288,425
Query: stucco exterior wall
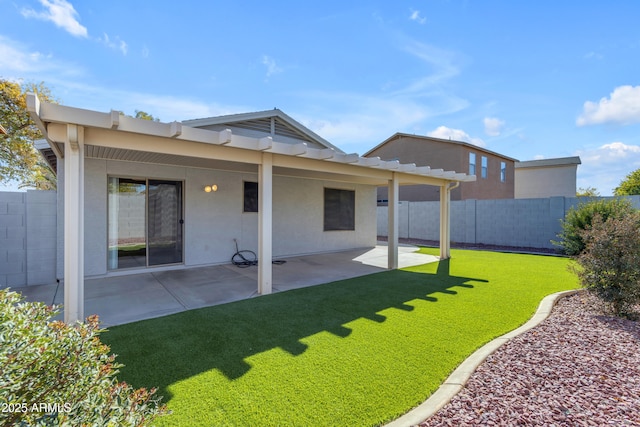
213,220
546,182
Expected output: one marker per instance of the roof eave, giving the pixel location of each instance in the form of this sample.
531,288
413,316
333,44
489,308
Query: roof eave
53,115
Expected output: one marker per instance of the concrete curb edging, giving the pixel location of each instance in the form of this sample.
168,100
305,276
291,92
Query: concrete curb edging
456,381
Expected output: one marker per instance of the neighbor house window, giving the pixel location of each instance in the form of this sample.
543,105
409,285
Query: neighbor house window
250,196
339,209
472,163
503,172
484,167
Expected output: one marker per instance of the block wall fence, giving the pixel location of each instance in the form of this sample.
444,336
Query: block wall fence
29,228
28,238
529,223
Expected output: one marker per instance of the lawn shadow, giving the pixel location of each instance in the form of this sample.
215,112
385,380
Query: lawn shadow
159,352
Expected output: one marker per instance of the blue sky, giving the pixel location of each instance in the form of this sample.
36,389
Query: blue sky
529,80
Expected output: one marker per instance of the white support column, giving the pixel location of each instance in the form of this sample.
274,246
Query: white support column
445,222
265,224
74,225
392,239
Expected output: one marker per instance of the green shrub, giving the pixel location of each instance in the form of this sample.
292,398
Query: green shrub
580,218
610,263
54,374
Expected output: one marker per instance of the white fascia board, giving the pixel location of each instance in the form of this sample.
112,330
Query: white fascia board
369,161
407,167
264,143
138,134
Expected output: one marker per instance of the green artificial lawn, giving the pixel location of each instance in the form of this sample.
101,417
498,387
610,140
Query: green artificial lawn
355,352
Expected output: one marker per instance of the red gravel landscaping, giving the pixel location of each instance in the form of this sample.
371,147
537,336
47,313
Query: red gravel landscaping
577,368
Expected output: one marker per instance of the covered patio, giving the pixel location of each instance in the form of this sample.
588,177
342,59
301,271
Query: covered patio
92,148
129,298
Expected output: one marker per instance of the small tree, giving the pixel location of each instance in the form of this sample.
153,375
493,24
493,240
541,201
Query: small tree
19,159
610,263
580,218
55,374
630,186
587,192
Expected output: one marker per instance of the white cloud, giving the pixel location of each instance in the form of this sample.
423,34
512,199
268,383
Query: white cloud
622,107
166,108
61,13
27,64
442,63
593,55
444,132
493,126
116,44
415,16
605,166
272,67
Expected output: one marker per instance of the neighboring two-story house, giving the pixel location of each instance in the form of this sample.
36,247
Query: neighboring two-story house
498,176
494,171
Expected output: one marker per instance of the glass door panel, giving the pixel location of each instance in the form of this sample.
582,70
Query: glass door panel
127,209
164,222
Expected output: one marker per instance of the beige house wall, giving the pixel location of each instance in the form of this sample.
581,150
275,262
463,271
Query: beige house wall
541,182
546,178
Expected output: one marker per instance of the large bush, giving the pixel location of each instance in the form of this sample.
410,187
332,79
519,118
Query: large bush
580,218
55,374
609,266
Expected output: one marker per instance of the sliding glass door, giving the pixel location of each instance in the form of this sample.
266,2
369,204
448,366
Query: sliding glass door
164,222
145,223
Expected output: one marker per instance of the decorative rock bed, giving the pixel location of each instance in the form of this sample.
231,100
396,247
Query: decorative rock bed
577,368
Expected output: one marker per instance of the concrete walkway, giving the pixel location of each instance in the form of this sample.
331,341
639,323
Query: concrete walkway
127,298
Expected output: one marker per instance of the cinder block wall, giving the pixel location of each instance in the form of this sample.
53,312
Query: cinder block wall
27,238
531,223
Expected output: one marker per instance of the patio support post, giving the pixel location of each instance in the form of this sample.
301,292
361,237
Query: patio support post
265,224
445,221
392,244
74,224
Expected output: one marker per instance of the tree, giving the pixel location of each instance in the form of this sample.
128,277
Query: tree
630,186
610,263
145,116
587,192
19,159
581,217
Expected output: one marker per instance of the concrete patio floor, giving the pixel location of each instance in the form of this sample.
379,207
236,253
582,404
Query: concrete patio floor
129,298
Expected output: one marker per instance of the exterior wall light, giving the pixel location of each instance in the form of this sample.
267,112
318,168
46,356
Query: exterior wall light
210,188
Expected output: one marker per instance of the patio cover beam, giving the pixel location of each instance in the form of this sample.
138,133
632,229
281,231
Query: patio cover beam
74,225
445,220
265,224
392,239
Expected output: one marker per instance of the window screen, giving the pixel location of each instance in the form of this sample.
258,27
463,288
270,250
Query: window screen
250,196
339,209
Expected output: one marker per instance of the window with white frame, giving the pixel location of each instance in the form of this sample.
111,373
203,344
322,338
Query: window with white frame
503,172
484,167
472,163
